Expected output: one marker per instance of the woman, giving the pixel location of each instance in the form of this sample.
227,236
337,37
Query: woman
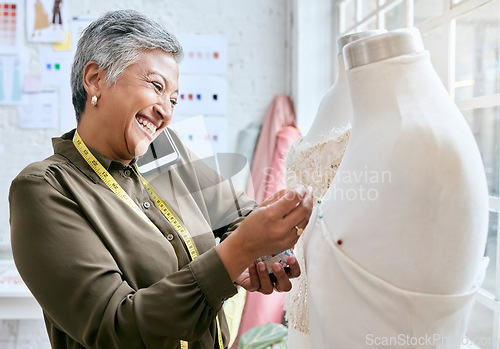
105,261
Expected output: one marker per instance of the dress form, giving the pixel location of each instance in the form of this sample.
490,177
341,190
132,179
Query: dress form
335,109
313,160
409,203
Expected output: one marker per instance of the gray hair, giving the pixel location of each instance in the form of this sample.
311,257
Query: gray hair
115,41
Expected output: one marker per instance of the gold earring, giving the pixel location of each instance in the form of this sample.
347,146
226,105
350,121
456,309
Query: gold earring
93,101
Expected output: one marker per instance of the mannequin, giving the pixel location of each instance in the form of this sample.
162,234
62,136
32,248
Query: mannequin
335,109
396,245
313,160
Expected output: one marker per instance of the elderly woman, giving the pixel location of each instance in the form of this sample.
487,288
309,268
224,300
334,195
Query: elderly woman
115,261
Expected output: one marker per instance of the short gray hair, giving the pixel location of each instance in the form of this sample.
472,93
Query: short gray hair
115,41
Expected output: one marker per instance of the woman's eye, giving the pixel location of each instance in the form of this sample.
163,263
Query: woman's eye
158,86
174,102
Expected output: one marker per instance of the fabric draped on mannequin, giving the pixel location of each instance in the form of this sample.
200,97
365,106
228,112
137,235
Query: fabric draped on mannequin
315,165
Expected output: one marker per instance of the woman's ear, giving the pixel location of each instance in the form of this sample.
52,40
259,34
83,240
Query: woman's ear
92,76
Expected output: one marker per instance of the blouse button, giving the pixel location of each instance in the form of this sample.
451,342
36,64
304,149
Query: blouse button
146,205
126,173
170,237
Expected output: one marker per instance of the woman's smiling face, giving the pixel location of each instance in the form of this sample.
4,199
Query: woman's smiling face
140,104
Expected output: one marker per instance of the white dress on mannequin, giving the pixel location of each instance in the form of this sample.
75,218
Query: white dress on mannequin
316,165
394,253
313,160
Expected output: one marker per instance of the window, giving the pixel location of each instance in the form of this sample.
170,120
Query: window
463,38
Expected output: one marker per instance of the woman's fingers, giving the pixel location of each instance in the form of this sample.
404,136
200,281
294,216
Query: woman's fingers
294,266
283,283
299,216
288,202
275,197
254,277
266,285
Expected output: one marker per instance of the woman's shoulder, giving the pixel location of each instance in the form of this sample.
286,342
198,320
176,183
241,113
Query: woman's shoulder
39,169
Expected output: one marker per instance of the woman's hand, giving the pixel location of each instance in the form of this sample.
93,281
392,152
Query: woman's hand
256,277
270,228
274,222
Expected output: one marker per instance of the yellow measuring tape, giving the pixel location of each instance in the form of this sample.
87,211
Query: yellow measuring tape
160,203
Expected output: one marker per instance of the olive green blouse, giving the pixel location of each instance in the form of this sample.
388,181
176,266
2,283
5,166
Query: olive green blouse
105,278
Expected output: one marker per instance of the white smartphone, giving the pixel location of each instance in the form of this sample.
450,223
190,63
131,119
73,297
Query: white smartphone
161,153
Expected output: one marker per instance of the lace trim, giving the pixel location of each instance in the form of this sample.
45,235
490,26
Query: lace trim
313,164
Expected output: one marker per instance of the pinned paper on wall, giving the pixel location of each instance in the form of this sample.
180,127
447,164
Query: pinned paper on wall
206,136
199,94
194,134
32,83
11,69
217,132
77,25
39,110
203,54
46,21
64,45
55,72
10,26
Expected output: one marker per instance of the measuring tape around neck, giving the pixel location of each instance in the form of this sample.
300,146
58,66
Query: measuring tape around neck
165,209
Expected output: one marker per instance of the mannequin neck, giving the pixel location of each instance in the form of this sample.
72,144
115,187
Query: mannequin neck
381,47
335,109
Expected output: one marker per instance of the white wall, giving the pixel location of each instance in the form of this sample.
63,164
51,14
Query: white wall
256,33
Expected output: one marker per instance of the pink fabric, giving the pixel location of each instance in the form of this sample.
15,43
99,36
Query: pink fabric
278,132
276,176
260,309
280,114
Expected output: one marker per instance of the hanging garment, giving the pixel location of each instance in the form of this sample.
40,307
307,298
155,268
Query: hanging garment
280,126
278,132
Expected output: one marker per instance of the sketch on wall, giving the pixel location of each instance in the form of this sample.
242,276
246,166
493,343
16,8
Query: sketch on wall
45,21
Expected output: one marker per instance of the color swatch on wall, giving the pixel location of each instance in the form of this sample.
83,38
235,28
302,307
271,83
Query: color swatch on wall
200,94
204,54
205,136
9,26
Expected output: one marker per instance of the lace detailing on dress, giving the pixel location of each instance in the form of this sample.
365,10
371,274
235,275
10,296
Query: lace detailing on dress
315,165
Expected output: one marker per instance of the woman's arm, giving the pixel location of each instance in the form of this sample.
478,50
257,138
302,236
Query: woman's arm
83,291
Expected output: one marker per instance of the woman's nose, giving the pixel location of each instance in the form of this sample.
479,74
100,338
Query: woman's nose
164,110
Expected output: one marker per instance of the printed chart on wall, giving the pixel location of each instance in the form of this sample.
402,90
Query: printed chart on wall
205,136
200,94
10,26
46,20
204,54
203,81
